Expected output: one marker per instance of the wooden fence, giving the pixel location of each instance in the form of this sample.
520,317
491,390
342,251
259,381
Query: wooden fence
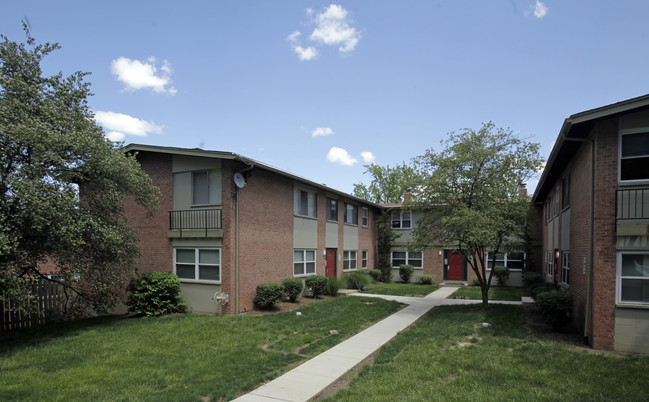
48,304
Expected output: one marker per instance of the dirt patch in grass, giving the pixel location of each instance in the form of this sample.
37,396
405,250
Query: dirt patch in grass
541,329
343,382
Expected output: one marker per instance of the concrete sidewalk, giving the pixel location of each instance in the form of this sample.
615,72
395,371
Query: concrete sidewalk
310,378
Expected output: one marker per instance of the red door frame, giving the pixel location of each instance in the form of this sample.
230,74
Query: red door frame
455,266
330,269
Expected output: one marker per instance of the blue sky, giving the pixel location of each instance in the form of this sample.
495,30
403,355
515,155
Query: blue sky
321,88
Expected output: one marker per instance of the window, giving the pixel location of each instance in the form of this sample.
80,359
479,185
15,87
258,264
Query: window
351,214
332,210
366,217
198,264
305,203
565,267
548,263
513,261
349,260
364,259
303,262
414,258
557,196
565,185
200,188
401,220
633,277
634,156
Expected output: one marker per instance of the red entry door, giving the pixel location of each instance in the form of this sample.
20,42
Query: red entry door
454,266
331,262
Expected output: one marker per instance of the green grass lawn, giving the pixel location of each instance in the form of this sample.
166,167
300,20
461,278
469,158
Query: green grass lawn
474,293
175,358
448,355
400,289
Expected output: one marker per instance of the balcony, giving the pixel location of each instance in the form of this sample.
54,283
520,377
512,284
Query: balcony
632,212
195,223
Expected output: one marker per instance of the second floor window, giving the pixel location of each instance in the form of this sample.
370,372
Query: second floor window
565,185
351,214
401,220
332,210
366,217
305,203
634,156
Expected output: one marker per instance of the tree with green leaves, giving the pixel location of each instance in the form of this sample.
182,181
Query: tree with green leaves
469,195
388,184
62,187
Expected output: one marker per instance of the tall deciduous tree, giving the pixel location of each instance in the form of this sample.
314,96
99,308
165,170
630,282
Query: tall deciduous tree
50,147
388,184
469,195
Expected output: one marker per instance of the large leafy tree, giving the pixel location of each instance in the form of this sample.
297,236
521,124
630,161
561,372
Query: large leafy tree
51,150
469,195
388,184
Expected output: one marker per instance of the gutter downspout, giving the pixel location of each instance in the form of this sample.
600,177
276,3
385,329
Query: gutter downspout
591,251
236,240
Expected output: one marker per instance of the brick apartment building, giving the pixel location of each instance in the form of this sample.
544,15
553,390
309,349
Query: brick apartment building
227,223
593,199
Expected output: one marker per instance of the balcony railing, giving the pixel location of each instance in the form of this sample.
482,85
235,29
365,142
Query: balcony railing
633,204
193,219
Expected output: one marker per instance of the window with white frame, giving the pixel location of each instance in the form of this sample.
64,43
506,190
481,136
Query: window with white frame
634,155
364,259
332,210
349,260
351,214
548,263
565,267
514,261
198,264
557,196
365,217
401,220
304,203
401,257
565,199
633,277
303,262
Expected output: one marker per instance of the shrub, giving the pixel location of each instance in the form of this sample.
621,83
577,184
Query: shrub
268,294
531,278
538,288
502,274
155,293
405,272
427,279
376,274
473,281
356,280
333,284
317,284
293,288
555,307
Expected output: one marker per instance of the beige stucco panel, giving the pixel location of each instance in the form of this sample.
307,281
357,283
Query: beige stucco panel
634,120
305,233
200,297
631,330
350,241
332,235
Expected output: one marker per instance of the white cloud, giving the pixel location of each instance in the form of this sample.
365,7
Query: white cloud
136,74
339,155
322,132
368,157
332,28
118,125
539,9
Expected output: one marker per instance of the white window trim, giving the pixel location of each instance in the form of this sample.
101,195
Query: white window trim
328,202
310,193
565,266
407,258
345,214
196,264
487,260
315,262
618,281
364,259
549,263
621,133
401,227
355,259
365,216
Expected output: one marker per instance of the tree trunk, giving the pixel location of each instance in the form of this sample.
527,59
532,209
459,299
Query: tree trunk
485,297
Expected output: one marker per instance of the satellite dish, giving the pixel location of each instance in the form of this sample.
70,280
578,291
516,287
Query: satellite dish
239,180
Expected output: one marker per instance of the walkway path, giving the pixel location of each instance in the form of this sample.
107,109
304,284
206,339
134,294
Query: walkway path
310,378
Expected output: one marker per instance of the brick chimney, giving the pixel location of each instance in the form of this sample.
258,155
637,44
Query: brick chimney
522,190
407,197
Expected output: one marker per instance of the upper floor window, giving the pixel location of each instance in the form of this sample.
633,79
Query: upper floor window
633,277
557,196
634,156
332,210
305,203
565,185
401,220
351,214
366,217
